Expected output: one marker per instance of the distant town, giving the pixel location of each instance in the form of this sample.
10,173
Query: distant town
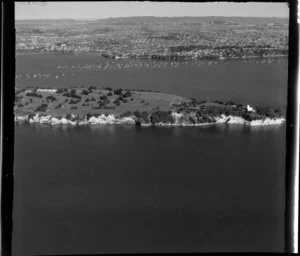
166,38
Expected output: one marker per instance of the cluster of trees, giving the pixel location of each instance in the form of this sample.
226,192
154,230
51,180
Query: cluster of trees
161,116
118,91
58,106
34,94
202,115
127,94
74,101
107,88
41,108
71,94
229,108
51,98
85,92
122,96
61,90
91,88
104,99
142,116
270,112
88,100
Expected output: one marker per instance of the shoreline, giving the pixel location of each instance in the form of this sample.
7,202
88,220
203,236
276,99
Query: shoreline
132,120
98,54
85,106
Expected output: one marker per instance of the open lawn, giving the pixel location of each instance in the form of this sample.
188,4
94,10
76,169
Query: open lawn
81,101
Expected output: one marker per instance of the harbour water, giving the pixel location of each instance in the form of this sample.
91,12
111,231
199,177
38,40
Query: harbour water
260,82
110,189
120,188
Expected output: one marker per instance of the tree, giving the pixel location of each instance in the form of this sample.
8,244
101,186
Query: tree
127,94
118,92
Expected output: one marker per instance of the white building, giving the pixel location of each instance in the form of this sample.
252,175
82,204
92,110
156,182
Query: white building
250,109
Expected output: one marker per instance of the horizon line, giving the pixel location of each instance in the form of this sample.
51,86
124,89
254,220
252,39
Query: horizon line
270,17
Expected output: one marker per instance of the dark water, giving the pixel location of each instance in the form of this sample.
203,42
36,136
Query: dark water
110,189
258,81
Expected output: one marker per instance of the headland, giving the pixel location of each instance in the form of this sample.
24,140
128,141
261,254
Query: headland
83,106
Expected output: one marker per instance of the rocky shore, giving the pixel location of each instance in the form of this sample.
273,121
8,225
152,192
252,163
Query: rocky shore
84,106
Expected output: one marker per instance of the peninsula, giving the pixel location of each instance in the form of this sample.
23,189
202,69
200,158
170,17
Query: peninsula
80,106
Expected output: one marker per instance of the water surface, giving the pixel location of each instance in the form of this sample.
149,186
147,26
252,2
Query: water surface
112,189
260,82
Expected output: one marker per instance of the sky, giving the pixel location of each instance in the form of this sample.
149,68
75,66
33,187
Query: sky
98,10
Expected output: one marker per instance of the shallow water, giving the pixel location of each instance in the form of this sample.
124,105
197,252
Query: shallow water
110,189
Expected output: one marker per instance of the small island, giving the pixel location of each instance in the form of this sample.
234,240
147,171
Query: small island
82,106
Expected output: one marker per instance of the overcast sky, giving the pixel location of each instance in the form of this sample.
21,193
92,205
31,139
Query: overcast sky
96,10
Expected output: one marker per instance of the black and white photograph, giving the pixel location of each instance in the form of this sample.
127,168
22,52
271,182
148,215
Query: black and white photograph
150,127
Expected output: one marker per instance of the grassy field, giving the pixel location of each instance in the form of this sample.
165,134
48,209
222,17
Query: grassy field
143,106
82,101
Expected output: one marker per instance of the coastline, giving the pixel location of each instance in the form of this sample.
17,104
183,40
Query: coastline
112,119
90,106
169,59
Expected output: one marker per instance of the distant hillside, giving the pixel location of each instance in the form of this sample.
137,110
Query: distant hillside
152,19
45,21
53,23
164,20
172,38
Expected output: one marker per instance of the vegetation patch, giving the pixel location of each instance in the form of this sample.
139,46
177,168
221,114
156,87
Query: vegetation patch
61,90
107,88
127,94
91,88
41,108
269,112
18,98
34,94
74,101
161,117
126,114
118,91
71,95
104,99
51,98
142,116
85,92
